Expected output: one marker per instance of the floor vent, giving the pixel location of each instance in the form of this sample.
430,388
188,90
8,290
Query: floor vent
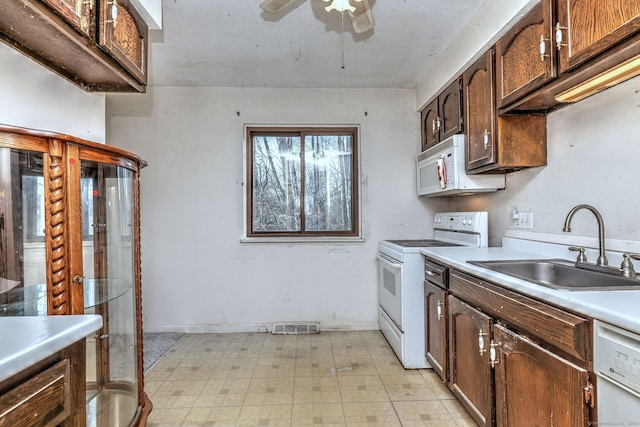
296,328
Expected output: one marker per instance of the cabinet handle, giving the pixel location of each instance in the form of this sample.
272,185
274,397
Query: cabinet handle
439,310
481,348
430,273
493,354
438,123
114,13
543,48
78,279
485,136
433,126
559,36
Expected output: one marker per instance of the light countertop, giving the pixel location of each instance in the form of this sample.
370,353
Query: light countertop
618,307
27,340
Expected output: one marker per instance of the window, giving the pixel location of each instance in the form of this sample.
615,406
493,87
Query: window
302,182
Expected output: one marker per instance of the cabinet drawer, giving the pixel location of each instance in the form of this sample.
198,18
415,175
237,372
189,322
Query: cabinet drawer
564,331
435,273
42,400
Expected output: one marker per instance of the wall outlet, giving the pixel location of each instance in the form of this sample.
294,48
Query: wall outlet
524,220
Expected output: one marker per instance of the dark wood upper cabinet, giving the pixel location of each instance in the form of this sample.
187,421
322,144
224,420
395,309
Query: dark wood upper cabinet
498,144
123,34
525,56
443,117
584,40
62,35
78,13
588,28
429,125
480,112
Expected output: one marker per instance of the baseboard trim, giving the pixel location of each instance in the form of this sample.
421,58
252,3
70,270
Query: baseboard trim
256,327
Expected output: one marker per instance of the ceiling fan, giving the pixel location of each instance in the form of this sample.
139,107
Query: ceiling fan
359,11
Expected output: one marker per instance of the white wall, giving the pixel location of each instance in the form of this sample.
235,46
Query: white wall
593,157
489,24
34,97
197,275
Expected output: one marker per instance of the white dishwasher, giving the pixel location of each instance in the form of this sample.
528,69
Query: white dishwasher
617,365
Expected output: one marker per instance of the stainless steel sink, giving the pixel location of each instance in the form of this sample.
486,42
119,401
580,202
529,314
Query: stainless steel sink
559,274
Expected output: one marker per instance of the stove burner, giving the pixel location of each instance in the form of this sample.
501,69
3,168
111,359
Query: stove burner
427,243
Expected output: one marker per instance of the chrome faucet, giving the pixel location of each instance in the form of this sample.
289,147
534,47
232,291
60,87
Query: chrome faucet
602,259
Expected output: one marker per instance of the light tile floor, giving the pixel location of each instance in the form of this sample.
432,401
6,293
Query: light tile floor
327,379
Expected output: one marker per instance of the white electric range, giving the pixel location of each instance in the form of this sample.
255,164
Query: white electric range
401,281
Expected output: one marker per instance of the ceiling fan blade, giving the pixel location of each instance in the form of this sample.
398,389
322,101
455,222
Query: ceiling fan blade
273,6
362,17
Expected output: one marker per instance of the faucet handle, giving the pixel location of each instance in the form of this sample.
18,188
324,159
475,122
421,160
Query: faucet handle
627,265
581,256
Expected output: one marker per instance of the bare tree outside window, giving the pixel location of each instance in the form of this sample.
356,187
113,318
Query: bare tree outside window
302,182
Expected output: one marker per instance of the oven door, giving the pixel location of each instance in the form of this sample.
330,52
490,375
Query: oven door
390,288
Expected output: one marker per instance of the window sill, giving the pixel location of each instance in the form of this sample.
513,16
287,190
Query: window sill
305,240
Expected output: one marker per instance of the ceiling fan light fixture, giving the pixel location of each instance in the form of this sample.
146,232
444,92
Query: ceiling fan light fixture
340,6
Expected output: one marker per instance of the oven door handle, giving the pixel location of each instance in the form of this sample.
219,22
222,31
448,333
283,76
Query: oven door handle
389,262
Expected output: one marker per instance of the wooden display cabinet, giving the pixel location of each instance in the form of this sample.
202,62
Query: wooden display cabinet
70,211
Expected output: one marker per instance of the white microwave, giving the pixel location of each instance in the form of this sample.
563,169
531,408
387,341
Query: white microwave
441,171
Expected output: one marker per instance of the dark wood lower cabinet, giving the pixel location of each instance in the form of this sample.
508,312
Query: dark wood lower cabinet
510,360
535,387
471,374
436,340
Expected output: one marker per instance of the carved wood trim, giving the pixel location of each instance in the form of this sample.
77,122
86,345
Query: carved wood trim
58,303
138,295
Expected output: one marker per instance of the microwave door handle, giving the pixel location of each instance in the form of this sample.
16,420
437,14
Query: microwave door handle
442,172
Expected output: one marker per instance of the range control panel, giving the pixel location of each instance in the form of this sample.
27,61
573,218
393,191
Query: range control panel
472,222
618,355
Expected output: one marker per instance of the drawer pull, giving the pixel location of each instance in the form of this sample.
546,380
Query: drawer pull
439,310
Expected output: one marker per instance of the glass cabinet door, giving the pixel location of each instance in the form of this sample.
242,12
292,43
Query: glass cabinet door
23,289
109,276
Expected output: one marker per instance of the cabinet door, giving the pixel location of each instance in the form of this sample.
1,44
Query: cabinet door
23,259
480,112
536,385
75,12
525,56
450,107
429,125
437,348
108,244
589,27
470,371
123,34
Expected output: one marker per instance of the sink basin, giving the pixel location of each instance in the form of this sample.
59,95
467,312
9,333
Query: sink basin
559,274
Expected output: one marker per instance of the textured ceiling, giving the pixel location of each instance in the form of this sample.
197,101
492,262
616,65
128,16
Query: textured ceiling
233,43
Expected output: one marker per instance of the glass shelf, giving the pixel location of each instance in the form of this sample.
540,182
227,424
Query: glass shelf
32,300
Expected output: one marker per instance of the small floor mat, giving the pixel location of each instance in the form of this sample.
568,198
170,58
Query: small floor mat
156,344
